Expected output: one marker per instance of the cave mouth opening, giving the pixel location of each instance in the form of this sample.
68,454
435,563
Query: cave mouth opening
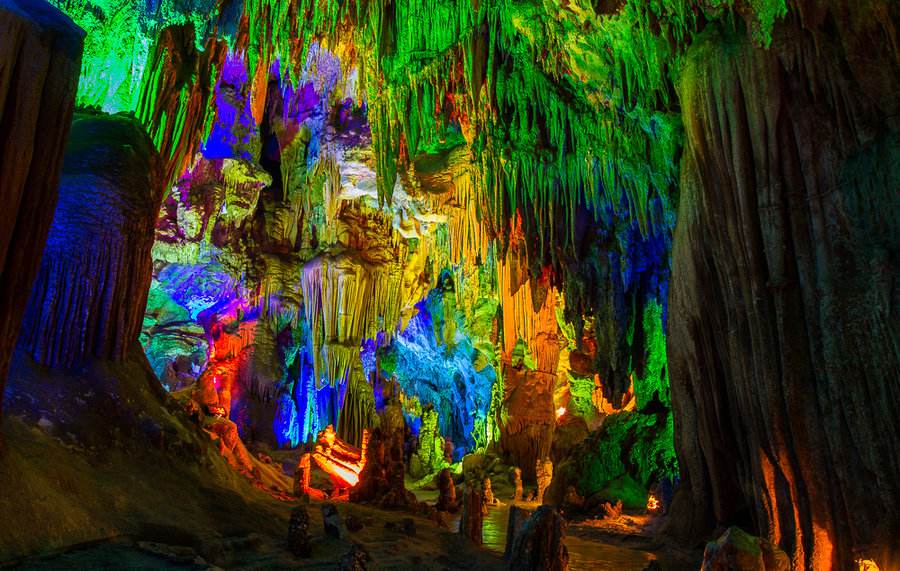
506,266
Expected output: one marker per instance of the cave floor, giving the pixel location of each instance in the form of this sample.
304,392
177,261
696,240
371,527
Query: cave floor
66,508
625,545
86,496
431,547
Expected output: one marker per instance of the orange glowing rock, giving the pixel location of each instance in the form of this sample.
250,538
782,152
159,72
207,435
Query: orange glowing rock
340,460
652,503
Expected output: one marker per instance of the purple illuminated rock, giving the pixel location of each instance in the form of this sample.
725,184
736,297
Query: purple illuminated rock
40,58
91,291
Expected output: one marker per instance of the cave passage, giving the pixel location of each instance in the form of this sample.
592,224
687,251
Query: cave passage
450,284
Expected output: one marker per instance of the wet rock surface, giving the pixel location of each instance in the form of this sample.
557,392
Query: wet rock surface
298,532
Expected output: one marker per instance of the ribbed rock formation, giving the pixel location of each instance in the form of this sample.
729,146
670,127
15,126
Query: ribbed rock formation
527,431
783,339
41,53
176,94
89,297
539,543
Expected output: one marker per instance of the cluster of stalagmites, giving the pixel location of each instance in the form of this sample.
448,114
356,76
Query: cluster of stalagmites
381,481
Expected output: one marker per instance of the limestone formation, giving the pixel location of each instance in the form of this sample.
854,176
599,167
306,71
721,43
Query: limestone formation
302,474
472,520
381,481
736,549
539,544
40,51
517,484
92,287
355,560
447,492
628,246
544,471
527,433
783,364
488,491
517,518
298,532
331,520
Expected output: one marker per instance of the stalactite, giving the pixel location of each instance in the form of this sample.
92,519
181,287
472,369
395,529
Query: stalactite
346,300
358,410
526,317
175,93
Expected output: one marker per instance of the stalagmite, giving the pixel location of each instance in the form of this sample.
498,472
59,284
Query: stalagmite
634,259
518,517
298,532
40,55
517,484
544,474
539,543
472,520
783,364
90,293
447,492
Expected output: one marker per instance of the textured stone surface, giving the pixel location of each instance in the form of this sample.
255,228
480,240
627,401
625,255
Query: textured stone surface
298,532
527,430
539,544
447,492
472,520
783,315
736,550
517,519
91,290
40,56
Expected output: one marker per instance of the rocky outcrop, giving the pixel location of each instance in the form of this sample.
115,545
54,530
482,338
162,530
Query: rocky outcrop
40,57
539,543
527,430
446,492
91,291
737,550
176,93
783,321
298,532
518,517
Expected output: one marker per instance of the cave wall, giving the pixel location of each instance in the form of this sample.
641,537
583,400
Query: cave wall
783,322
40,51
89,295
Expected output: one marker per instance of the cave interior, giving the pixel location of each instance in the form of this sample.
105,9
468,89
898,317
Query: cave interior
450,284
